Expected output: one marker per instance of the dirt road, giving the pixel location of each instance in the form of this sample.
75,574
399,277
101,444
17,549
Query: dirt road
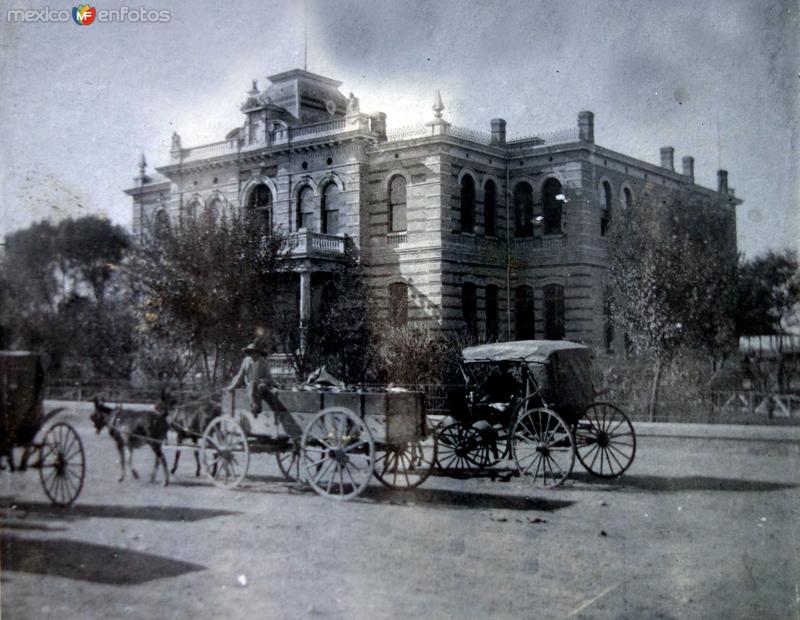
698,529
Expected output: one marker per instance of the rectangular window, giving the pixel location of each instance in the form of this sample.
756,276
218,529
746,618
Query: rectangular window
525,317
491,313
554,323
398,304
469,307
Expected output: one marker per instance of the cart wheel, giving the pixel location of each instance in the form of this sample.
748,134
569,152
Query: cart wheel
406,466
62,464
459,449
605,440
289,462
338,454
224,452
543,447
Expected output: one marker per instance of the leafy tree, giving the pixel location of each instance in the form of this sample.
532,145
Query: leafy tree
54,278
768,294
210,283
672,279
339,334
90,249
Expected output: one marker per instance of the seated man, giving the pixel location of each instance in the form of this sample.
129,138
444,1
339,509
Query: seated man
254,374
501,386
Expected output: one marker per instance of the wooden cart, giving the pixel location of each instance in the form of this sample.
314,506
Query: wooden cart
56,449
333,440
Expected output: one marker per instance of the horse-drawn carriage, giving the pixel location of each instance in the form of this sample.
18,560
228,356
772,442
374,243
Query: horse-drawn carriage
532,402
527,401
56,449
333,439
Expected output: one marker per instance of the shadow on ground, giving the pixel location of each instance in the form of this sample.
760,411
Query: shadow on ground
667,484
83,561
423,497
440,498
10,508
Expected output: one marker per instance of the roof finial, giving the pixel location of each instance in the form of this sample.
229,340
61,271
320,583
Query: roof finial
438,106
254,89
142,164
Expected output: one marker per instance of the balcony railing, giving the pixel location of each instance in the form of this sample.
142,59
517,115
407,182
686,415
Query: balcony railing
307,243
560,136
396,238
540,243
352,123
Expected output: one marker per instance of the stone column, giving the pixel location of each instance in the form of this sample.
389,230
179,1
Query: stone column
305,305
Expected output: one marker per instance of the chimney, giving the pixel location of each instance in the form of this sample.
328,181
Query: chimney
688,166
586,126
722,181
498,131
667,158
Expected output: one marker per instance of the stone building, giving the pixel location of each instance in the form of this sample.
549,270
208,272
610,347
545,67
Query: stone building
505,238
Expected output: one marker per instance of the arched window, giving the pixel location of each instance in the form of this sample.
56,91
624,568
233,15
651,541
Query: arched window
213,210
551,206
305,210
467,204
160,223
554,319
397,204
627,198
489,208
260,205
398,303
605,214
190,209
330,209
491,312
523,210
525,316
469,307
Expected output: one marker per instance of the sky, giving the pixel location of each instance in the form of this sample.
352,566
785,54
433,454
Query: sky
718,80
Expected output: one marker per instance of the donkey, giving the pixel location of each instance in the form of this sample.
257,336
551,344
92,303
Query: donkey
132,428
189,422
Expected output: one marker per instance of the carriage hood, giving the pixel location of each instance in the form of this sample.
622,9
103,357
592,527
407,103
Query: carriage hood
541,351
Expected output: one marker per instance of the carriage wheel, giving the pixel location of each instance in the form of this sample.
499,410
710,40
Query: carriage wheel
289,462
62,464
605,440
460,448
337,454
406,466
224,452
543,447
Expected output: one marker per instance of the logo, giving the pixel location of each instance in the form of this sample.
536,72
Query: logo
84,15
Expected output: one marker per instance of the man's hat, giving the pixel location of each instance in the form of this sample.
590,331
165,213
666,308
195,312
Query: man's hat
255,347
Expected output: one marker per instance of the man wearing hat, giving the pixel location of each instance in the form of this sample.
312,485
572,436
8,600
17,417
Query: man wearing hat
253,374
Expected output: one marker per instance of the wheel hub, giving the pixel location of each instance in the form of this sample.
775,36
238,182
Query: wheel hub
338,455
602,439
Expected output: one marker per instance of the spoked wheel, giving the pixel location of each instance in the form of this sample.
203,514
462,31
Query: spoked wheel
224,452
543,447
406,466
605,440
487,453
337,454
289,462
62,464
459,449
